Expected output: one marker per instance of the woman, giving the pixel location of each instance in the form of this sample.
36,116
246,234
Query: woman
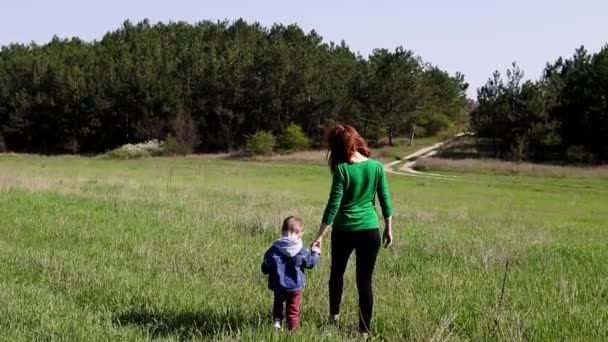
350,210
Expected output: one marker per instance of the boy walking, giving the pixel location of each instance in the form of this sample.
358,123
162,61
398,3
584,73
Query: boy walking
284,263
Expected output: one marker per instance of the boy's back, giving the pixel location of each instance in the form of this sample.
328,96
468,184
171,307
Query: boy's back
284,263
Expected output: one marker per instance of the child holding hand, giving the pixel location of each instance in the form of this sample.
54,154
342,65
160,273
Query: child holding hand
284,263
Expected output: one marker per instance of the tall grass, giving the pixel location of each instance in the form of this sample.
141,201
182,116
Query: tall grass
169,249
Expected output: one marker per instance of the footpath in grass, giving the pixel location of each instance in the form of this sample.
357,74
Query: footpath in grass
170,248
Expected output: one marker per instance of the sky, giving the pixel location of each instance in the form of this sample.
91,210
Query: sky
474,37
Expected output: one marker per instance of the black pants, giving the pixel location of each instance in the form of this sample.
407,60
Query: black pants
366,244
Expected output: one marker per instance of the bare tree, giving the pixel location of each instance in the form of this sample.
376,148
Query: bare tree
2,144
186,133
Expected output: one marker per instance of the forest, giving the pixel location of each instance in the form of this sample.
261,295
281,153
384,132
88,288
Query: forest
216,83
563,116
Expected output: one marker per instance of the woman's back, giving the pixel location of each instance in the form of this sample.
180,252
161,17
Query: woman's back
352,196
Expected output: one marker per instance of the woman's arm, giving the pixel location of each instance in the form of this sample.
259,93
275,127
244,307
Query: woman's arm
383,195
319,238
333,205
387,209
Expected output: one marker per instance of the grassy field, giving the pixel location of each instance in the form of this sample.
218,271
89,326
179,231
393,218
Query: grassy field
493,166
170,249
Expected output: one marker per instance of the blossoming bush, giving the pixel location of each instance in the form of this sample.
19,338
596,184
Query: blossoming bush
130,151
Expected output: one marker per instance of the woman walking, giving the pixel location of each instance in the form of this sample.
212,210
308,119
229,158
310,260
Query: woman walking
351,212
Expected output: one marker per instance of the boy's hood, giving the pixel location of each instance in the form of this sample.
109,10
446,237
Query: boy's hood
289,246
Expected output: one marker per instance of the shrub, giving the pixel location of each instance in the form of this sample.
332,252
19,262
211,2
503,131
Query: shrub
262,142
171,146
132,151
294,139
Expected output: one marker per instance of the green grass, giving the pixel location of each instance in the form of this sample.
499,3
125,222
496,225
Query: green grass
170,249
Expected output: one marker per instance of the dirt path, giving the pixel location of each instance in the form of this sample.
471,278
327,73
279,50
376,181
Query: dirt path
408,162
407,169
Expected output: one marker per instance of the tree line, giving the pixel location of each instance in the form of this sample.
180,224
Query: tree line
221,81
561,116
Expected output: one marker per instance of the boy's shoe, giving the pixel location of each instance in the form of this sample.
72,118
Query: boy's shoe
334,319
277,324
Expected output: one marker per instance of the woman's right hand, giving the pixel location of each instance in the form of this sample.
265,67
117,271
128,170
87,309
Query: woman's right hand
319,238
316,246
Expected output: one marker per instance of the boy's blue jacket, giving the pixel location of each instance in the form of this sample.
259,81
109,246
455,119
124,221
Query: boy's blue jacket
284,263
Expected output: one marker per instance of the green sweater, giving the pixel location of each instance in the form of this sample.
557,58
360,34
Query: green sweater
351,204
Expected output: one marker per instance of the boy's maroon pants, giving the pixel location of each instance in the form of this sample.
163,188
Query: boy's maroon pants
287,306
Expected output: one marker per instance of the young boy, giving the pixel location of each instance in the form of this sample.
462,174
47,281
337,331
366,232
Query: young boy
284,263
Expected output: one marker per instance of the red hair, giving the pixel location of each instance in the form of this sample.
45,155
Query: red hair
343,142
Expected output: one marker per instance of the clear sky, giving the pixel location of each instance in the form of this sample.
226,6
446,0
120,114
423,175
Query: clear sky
474,37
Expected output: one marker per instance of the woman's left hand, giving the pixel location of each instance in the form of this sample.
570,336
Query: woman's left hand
387,237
